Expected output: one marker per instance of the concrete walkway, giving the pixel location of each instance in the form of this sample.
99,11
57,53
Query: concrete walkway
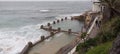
94,32
93,29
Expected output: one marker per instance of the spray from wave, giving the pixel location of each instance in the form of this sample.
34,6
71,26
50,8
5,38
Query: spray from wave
44,10
15,40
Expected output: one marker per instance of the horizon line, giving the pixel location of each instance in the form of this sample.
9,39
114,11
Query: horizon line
37,0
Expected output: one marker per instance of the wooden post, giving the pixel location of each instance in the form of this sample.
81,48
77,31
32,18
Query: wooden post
61,19
42,38
69,31
59,29
30,44
41,26
54,22
65,18
58,21
48,24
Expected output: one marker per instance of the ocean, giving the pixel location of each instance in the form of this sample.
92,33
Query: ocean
20,21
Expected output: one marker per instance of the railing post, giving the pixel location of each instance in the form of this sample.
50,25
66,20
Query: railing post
61,19
59,29
58,21
69,31
41,26
54,22
65,18
42,38
30,44
48,24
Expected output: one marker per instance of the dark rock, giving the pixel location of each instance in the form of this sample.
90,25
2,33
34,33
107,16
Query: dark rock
80,18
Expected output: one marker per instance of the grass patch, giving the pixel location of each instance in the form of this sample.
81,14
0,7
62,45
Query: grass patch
101,49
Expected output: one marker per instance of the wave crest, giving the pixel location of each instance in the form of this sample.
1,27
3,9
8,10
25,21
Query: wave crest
44,10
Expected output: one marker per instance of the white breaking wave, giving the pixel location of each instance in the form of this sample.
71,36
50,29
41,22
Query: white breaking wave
13,41
44,10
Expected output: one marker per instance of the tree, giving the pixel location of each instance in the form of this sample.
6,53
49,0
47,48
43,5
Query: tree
113,5
83,35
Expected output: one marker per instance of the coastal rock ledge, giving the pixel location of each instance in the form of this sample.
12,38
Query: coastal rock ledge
116,46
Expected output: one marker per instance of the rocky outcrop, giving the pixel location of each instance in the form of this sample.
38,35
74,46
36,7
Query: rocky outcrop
80,18
116,46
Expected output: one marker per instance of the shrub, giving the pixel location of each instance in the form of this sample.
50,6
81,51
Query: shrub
84,47
101,49
108,32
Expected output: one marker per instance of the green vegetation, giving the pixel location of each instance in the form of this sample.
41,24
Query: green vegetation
84,47
108,32
113,6
83,35
101,49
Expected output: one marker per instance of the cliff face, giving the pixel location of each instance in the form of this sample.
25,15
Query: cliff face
116,46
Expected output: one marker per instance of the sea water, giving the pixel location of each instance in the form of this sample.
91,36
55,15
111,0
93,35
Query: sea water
20,21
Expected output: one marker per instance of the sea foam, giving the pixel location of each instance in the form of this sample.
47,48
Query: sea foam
44,10
13,41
